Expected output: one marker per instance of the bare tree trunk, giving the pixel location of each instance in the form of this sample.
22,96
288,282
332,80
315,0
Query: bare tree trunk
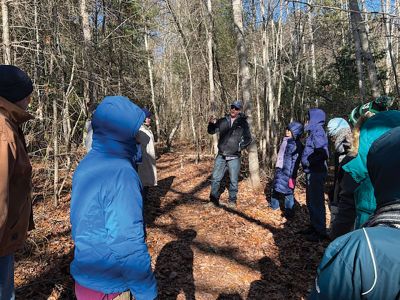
245,85
66,114
36,76
184,102
360,67
6,33
312,47
55,152
153,100
390,61
210,52
87,36
366,52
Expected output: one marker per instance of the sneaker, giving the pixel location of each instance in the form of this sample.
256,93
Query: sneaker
231,204
308,230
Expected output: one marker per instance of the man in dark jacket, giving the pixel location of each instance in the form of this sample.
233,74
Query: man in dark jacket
314,164
15,172
234,136
365,263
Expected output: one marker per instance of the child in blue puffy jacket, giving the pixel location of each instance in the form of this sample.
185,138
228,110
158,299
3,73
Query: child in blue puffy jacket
287,164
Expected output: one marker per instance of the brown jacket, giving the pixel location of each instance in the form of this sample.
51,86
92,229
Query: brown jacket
15,179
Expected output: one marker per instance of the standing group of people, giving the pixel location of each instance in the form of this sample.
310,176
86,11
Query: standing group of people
111,258
234,136
362,261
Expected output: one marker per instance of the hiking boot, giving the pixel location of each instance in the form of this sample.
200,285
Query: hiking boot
210,204
316,237
308,230
214,201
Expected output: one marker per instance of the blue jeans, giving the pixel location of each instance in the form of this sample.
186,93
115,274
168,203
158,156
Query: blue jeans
274,203
7,277
316,201
220,166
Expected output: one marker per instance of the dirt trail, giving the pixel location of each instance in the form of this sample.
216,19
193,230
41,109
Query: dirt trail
198,251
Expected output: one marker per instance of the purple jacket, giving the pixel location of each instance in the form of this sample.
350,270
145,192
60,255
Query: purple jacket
291,160
315,152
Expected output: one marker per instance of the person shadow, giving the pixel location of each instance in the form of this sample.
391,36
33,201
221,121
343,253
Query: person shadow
152,202
266,286
174,268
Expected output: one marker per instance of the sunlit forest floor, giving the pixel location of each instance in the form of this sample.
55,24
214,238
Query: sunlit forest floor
198,252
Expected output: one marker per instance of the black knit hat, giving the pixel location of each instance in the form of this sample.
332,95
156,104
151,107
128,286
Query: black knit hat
15,84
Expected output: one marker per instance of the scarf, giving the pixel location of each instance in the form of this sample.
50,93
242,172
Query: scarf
281,153
388,215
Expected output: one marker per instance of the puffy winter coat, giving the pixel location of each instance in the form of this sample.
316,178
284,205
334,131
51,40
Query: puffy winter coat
291,160
111,255
371,130
232,139
315,151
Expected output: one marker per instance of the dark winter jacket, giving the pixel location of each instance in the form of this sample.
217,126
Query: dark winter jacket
345,216
232,139
342,142
365,264
291,160
315,152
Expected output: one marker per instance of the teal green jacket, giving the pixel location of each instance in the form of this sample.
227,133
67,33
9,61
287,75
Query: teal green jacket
363,264
371,130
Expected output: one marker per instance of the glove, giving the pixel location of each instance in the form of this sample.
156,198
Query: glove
292,183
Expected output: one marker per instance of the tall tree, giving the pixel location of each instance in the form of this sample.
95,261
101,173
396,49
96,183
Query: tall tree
6,33
246,88
210,52
360,37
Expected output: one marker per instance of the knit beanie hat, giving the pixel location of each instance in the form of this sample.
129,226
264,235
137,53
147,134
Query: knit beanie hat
15,84
335,125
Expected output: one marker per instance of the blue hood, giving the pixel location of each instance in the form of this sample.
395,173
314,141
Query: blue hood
316,117
296,129
115,124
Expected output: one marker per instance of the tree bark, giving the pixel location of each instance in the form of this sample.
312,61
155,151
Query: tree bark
312,46
358,24
153,100
87,64
359,63
6,33
245,86
210,52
